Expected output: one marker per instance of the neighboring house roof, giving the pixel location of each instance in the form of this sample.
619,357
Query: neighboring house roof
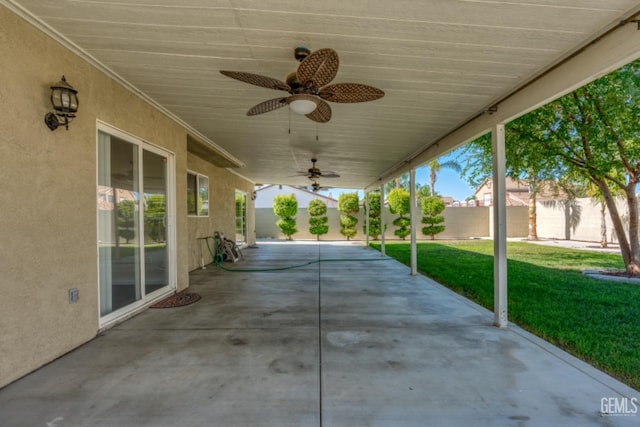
517,192
447,200
303,196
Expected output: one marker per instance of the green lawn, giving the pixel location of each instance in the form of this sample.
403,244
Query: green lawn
598,321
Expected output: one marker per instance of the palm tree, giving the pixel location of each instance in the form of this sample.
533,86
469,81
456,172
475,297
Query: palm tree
435,166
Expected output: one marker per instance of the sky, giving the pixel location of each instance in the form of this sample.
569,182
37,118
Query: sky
448,183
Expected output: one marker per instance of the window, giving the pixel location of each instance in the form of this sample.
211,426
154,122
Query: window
241,217
486,200
197,194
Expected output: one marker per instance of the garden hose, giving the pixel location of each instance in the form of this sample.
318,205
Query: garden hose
218,259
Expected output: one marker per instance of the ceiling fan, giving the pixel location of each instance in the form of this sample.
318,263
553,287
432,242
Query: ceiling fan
315,187
308,87
313,173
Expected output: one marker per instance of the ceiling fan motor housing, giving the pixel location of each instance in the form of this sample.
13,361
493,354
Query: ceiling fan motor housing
301,52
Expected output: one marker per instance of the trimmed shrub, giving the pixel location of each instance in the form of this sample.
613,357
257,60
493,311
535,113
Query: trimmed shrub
318,218
374,215
348,204
286,208
432,207
399,201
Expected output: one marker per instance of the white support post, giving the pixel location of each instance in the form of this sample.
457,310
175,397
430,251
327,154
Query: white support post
382,227
499,228
413,219
366,218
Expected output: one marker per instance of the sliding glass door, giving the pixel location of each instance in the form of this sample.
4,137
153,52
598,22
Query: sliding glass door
241,217
134,231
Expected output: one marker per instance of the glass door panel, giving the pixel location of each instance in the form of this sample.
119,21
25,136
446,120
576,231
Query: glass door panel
118,223
241,217
156,256
134,233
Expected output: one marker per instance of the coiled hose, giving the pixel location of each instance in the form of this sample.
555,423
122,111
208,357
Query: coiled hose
218,259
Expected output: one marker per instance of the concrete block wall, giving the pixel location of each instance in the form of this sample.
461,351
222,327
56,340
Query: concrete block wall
460,223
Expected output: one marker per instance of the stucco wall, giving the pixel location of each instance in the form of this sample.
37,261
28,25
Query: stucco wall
577,219
48,195
222,199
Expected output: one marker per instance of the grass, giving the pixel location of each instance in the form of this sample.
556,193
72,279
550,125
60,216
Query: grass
597,321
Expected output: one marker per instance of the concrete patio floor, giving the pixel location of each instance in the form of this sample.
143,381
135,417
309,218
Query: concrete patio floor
352,343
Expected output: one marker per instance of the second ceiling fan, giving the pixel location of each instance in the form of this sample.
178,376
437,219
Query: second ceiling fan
309,87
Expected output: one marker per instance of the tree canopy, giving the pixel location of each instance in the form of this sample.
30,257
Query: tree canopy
591,134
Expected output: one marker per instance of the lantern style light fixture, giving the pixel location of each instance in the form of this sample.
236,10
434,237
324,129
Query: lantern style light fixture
64,99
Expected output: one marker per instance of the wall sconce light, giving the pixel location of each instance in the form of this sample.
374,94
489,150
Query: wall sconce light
64,99
254,195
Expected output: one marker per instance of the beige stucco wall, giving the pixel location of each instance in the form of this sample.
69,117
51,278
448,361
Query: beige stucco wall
222,190
577,219
48,195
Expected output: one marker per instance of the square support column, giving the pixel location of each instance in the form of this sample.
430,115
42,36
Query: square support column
499,228
382,227
366,219
413,219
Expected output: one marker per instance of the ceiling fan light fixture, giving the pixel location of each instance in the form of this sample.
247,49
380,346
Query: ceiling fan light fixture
302,104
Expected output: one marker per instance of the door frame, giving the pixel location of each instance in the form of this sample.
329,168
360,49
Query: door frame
147,299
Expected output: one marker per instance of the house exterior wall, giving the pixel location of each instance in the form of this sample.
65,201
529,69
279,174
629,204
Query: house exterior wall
48,219
222,199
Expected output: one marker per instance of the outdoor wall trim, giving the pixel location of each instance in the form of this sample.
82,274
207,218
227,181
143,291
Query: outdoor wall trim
606,53
51,32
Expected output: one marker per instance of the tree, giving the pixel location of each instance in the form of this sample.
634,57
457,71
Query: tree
348,204
401,181
318,218
422,191
594,131
432,207
154,215
126,211
523,163
435,166
591,190
374,215
286,207
399,201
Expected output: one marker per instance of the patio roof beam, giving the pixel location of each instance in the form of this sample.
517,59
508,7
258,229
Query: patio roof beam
617,47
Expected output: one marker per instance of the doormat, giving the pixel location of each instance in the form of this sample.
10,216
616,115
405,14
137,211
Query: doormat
178,300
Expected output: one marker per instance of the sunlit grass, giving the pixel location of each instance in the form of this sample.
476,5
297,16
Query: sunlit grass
598,321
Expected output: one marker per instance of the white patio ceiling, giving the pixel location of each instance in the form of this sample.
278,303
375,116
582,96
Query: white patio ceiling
440,62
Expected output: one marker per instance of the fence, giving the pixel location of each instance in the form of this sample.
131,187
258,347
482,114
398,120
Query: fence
578,219
460,223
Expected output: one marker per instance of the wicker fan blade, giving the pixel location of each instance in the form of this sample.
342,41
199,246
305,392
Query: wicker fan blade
266,106
258,80
329,174
322,113
319,68
350,92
